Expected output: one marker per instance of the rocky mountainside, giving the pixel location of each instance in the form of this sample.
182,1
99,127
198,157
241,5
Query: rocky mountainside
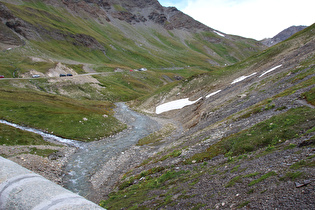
245,138
133,33
283,35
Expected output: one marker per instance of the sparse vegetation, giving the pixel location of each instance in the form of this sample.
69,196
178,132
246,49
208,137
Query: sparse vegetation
157,136
233,181
136,192
42,152
262,178
291,176
245,203
268,133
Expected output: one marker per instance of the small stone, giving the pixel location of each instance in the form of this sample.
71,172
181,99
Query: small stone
194,161
306,182
297,185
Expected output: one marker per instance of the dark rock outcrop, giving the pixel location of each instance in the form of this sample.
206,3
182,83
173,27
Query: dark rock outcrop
136,11
129,17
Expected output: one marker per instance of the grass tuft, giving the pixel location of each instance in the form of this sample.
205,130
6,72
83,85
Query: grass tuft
262,178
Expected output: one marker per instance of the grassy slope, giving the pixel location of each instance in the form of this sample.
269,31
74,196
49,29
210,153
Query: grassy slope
59,115
39,110
12,136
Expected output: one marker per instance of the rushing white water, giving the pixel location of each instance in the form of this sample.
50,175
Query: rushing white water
46,136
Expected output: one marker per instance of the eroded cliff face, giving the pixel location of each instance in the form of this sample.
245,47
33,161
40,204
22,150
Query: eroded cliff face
136,11
132,12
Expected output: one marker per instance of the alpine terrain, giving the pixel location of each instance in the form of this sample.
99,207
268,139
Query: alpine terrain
138,106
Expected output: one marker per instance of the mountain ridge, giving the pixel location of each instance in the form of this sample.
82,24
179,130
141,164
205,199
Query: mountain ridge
99,25
283,35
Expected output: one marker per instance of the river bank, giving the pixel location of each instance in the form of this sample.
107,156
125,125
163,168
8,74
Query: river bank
49,167
91,169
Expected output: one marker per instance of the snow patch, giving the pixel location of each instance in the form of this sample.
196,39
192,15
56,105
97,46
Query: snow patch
242,78
219,33
212,94
270,70
173,105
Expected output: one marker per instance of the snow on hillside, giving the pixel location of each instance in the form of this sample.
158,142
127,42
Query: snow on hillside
242,78
181,103
219,33
270,70
177,104
211,94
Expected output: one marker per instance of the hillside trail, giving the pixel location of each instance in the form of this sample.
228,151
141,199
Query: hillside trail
90,158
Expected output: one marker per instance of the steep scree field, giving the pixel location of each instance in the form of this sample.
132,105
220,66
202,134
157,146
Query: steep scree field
249,146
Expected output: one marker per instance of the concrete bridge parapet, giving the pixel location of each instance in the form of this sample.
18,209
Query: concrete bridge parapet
21,188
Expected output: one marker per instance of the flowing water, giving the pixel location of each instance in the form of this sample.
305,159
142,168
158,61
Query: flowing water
90,158
46,136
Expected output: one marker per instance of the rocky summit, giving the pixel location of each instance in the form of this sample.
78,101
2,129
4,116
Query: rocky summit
283,35
138,106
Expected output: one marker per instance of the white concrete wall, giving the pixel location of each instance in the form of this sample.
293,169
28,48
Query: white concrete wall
22,189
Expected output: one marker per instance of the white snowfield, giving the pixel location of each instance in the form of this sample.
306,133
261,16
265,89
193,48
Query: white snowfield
219,33
212,94
181,103
177,104
242,78
270,70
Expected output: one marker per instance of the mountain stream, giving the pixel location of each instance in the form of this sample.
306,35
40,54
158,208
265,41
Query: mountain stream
90,158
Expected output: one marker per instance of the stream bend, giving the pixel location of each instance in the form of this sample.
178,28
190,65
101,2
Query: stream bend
90,158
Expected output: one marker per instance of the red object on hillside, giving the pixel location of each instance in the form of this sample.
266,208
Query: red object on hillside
1,76
131,70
